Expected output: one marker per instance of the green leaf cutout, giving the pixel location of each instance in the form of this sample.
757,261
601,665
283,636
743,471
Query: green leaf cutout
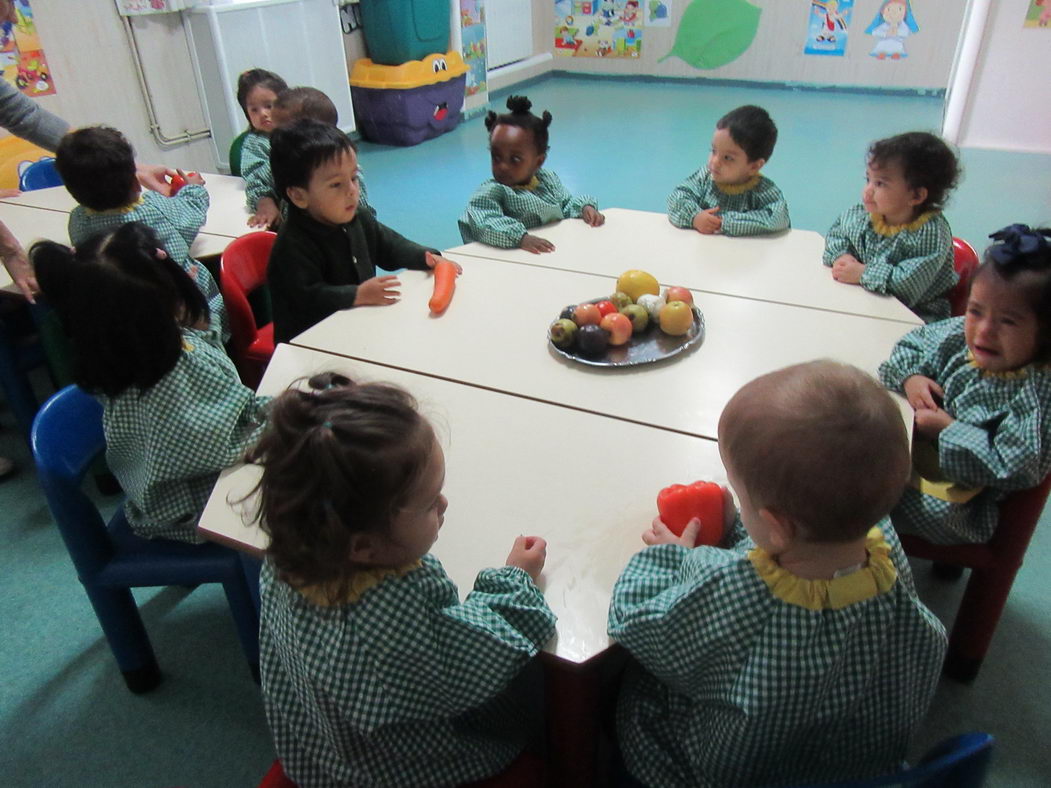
713,33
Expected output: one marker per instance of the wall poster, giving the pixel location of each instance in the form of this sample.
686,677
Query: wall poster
472,32
827,27
21,53
1039,14
600,28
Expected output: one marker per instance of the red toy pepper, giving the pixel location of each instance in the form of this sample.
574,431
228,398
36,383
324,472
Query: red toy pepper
680,503
177,182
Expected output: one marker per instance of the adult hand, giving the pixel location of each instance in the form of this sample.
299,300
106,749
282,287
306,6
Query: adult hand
378,291
922,392
528,553
592,217
706,222
155,177
536,244
17,264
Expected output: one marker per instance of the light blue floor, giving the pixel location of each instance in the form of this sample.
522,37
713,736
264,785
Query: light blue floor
65,717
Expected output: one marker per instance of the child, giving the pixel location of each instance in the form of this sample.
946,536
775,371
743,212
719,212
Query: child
257,90
800,652
521,195
897,240
981,387
327,251
729,196
374,672
174,411
97,165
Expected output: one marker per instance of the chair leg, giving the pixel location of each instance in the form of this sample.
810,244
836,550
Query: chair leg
246,619
980,609
122,625
944,571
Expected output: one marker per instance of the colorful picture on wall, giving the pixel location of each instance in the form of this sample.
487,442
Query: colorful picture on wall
22,55
894,23
1039,14
658,13
139,7
472,33
827,27
713,33
603,28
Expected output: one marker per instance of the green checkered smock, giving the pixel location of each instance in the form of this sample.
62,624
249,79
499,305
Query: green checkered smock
500,215
1001,439
166,445
406,685
175,220
751,211
912,262
738,687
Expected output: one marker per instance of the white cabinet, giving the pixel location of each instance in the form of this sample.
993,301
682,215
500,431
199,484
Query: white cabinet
509,31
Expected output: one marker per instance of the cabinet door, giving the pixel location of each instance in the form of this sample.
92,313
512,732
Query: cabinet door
508,31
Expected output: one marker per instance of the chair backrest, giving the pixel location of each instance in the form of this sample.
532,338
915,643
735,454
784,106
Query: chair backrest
965,260
39,175
242,269
235,153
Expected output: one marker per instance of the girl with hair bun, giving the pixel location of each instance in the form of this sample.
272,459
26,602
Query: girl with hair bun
521,194
981,388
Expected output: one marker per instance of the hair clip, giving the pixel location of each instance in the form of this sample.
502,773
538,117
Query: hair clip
1016,240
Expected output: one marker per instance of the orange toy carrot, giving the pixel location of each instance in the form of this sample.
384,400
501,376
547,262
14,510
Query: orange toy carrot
444,283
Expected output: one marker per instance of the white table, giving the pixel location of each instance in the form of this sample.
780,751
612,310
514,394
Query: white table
783,268
493,336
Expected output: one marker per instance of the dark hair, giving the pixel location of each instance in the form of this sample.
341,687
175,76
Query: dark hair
338,459
97,165
252,78
752,129
307,102
926,163
297,150
521,116
1022,257
121,305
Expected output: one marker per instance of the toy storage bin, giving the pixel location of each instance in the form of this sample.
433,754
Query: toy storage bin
397,31
410,103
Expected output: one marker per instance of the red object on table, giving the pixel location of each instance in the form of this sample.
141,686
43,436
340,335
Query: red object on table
177,182
680,503
444,285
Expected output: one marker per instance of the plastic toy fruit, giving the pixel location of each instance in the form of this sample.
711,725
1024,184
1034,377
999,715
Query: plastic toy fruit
177,182
606,308
586,315
637,283
676,318
652,304
680,503
618,326
592,340
562,333
678,294
568,312
638,316
620,299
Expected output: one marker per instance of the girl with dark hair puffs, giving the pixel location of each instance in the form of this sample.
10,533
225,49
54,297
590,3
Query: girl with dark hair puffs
174,411
374,672
257,91
521,195
981,388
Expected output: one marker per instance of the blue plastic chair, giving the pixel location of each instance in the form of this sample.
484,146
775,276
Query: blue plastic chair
959,762
109,559
40,174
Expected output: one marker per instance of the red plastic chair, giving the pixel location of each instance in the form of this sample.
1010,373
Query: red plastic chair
993,568
242,270
526,771
965,260
276,777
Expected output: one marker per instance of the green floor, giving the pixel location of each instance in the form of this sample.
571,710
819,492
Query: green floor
65,717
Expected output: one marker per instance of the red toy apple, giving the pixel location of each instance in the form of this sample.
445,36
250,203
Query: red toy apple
680,503
177,182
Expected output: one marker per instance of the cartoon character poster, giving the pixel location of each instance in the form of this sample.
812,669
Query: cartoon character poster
827,27
893,24
1039,14
21,53
472,33
599,28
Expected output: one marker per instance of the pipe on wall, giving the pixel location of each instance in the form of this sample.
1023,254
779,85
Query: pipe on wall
961,81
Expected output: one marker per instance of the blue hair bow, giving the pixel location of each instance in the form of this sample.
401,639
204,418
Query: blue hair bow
1016,240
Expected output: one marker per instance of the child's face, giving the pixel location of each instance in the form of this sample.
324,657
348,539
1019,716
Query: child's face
331,196
887,193
728,163
259,104
1001,330
415,527
514,155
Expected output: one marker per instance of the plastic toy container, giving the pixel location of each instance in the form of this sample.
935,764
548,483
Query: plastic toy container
410,103
397,31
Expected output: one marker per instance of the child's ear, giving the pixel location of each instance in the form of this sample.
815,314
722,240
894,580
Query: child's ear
919,196
364,548
541,159
298,196
780,530
754,165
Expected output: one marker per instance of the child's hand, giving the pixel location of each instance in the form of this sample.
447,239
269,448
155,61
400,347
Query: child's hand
378,291
192,177
592,217
528,553
433,259
535,244
266,213
847,269
930,422
659,533
923,393
706,222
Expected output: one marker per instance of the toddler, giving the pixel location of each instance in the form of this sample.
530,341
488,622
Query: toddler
257,90
327,251
374,672
897,241
798,652
97,165
729,196
981,387
521,195
174,410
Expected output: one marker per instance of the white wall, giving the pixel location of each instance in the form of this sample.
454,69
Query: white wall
1008,105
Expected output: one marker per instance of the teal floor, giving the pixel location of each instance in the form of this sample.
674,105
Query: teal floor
65,717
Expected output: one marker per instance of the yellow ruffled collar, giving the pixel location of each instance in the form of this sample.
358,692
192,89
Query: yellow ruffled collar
876,577
1011,374
879,224
123,209
360,582
534,182
739,188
